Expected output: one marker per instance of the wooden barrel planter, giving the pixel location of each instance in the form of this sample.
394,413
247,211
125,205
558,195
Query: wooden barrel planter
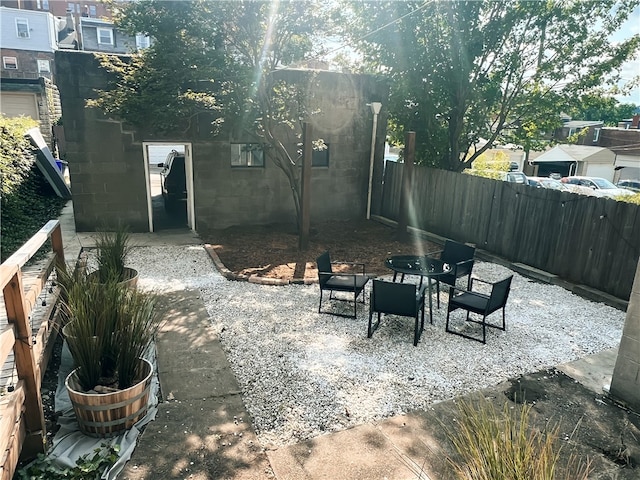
108,414
130,277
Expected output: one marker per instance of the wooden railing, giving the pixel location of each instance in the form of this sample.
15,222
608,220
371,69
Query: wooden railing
22,424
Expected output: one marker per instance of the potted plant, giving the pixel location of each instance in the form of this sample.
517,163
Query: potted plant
112,251
110,327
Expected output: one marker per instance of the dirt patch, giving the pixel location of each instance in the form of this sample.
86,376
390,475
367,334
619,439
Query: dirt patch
272,251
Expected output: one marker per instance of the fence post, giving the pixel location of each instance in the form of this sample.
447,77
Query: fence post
56,244
26,366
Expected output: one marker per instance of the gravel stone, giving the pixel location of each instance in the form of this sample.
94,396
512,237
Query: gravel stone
304,374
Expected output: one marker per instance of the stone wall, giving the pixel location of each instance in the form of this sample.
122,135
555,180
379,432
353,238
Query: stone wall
107,170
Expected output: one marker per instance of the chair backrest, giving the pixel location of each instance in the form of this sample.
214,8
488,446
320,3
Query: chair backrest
455,252
323,262
499,294
395,298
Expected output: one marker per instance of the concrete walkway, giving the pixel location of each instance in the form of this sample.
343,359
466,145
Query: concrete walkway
203,432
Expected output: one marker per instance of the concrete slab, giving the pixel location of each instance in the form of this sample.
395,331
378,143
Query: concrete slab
199,440
595,371
362,452
188,349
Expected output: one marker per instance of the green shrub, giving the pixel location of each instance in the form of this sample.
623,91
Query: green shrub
88,467
27,199
629,198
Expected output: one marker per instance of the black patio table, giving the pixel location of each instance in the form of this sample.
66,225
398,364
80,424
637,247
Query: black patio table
421,265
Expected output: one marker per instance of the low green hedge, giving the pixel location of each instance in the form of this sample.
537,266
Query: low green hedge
27,199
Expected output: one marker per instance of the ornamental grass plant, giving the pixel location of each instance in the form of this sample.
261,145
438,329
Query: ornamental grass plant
112,251
504,445
110,326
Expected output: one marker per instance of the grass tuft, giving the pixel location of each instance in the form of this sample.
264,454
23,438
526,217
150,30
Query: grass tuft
504,445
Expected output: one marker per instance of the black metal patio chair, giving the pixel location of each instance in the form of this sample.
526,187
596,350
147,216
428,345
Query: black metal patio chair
403,299
332,281
460,257
481,304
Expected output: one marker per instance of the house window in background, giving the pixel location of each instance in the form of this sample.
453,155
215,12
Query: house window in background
105,36
44,66
142,41
22,27
42,4
596,135
10,63
92,11
73,7
320,158
247,155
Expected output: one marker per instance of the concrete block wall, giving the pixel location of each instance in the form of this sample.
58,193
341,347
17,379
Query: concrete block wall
625,384
107,167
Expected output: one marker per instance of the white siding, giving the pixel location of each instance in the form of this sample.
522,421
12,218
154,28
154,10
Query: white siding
42,36
599,170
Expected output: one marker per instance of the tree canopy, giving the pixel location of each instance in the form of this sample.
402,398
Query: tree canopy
468,74
215,58
596,106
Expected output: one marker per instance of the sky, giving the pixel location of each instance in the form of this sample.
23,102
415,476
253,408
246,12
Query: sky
630,69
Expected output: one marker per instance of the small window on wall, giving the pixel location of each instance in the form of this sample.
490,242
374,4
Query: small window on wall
44,66
320,158
142,41
92,11
22,27
105,36
10,63
596,135
247,155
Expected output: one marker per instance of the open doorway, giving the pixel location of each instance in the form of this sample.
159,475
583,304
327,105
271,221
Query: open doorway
169,174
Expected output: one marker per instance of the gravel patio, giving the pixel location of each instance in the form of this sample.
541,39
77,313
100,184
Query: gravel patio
304,374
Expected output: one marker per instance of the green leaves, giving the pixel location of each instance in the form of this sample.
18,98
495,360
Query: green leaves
28,201
88,467
462,71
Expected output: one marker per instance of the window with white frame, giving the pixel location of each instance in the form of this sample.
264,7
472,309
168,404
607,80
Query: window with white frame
44,66
22,27
105,36
10,63
42,4
142,41
92,11
596,135
247,155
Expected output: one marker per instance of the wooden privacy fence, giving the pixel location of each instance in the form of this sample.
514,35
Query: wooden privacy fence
586,240
21,416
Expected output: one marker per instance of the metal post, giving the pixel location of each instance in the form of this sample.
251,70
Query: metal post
375,108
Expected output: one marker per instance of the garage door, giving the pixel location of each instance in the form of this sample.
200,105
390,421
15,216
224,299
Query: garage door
16,104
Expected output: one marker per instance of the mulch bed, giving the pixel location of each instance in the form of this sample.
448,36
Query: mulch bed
272,251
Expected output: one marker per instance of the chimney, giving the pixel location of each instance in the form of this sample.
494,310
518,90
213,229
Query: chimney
635,121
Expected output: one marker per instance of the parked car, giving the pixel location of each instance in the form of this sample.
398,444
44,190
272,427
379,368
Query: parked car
516,177
633,185
604,187
173,181
546,182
